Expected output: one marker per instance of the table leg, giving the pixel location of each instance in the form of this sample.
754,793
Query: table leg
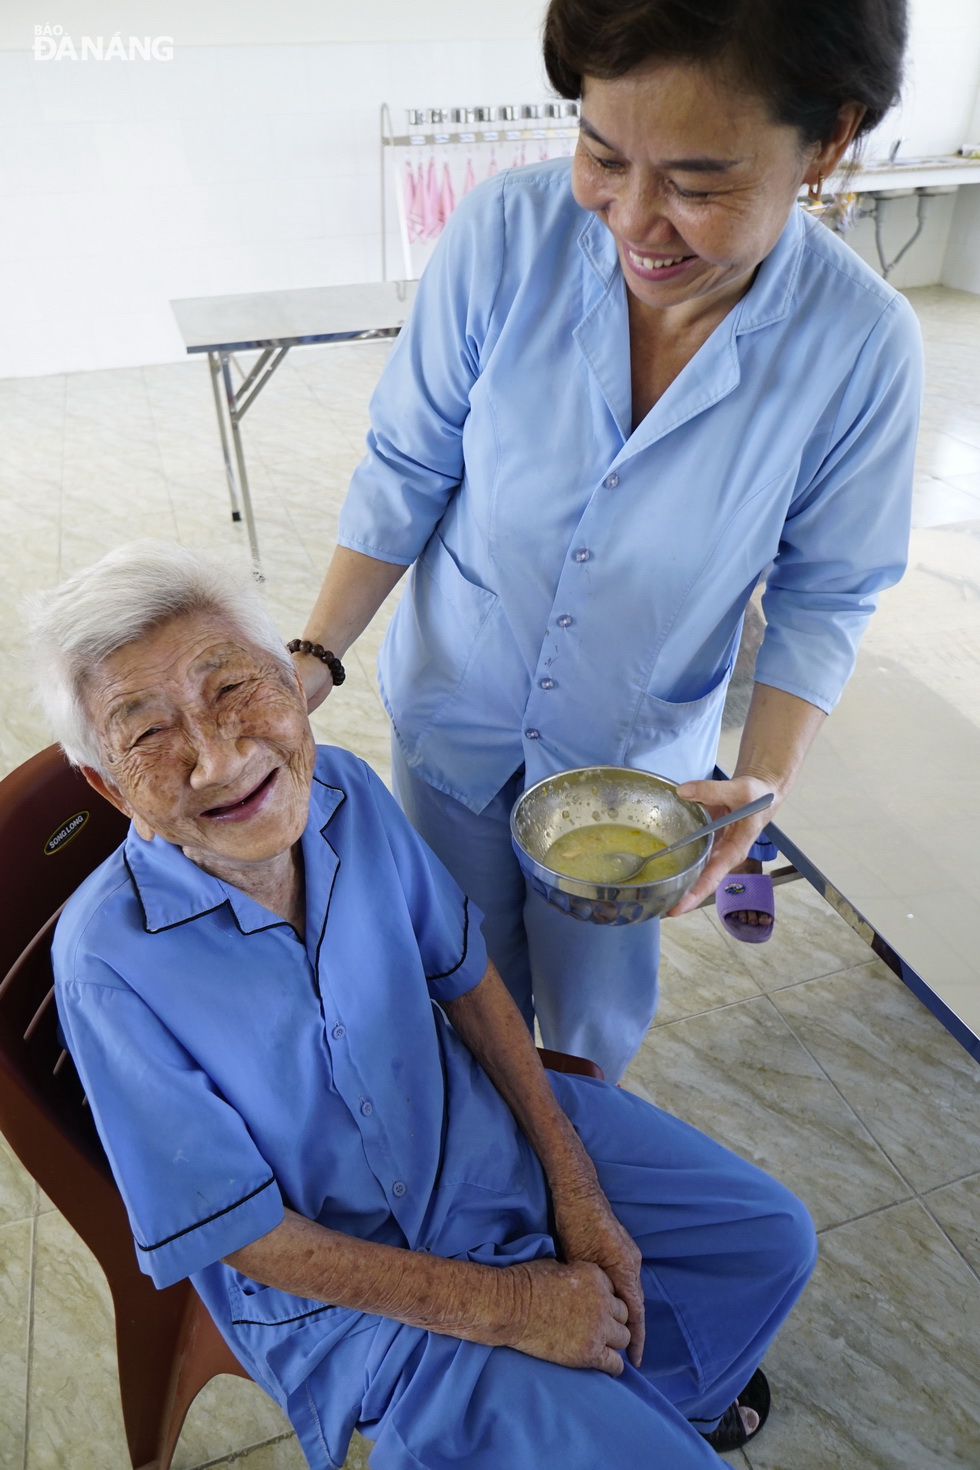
234,415
215,367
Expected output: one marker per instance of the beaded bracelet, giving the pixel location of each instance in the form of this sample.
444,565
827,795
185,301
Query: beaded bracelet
317,650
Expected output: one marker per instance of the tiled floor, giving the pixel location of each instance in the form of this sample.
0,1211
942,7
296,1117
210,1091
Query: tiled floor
805,1054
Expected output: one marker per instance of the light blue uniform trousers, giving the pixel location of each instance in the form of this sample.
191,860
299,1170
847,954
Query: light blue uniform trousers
726,1252
593,988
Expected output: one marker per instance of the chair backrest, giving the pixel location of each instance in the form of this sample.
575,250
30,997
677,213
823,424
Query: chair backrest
54,829
43,1114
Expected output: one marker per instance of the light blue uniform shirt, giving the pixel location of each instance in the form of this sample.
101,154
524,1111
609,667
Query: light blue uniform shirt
579,586
232,1068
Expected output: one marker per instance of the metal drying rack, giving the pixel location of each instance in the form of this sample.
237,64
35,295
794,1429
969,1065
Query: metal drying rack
437,126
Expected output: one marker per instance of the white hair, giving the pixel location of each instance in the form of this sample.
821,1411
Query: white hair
133,590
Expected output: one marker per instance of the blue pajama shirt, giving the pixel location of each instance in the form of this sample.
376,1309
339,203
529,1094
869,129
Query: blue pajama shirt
578,583
234,1069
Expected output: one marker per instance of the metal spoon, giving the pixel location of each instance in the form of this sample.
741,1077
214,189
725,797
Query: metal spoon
626,865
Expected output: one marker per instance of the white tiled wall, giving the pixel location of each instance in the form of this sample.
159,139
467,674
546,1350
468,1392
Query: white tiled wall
247,167
942,79
234,168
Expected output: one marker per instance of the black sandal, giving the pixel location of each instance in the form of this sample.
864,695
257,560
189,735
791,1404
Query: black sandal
730,1433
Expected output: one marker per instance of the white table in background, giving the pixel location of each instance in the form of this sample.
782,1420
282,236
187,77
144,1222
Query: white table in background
271,322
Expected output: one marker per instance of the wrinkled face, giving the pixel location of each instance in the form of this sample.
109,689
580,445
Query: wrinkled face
206,742
692,177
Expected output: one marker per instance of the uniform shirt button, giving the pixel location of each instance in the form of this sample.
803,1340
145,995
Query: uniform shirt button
367,1108
546,683
399,1188
582,554
612,481
565,621
339,1032
533,734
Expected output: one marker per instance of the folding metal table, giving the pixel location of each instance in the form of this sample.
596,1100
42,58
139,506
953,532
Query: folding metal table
271,322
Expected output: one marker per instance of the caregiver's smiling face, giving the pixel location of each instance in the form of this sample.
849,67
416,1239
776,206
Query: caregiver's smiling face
691,176
206,742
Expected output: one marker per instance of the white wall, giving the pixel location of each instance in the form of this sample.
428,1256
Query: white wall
942,80
939,111
274,22
961,267
233,167
250,160
962,264
924,262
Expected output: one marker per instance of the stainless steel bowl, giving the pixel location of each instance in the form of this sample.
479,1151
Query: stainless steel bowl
589,794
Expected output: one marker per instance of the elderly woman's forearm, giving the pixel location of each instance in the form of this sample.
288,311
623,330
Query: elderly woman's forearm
478,1303
490,1024
353,589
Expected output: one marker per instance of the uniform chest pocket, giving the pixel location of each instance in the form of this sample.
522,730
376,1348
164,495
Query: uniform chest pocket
678,738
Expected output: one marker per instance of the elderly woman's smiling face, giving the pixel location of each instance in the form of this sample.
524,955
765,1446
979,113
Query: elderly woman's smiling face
206,742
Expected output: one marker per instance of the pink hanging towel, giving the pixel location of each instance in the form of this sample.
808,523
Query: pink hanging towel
469,182
420,210
492,165
411,215
432,204
447,197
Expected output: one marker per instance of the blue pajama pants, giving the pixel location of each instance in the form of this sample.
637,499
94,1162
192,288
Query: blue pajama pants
726,1252
593,989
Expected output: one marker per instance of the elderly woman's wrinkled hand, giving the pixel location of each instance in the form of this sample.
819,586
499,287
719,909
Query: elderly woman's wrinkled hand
588,1230
571,1315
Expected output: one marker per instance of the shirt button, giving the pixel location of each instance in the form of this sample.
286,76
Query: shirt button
533,734
582,554
367,1108
565,621
399,1188
612,481
546,683
339,1032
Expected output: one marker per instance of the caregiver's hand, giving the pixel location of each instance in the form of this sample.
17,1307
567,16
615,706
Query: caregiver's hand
315,679
732,843
569,1314
588,1230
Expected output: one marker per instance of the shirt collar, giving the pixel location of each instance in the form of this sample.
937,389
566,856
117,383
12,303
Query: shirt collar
769,297
173,890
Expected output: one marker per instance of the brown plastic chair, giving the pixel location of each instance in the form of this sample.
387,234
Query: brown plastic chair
54,829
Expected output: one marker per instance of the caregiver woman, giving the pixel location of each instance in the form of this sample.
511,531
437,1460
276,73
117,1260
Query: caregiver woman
630,383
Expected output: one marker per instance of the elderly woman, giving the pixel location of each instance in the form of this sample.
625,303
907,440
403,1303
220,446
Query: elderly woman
322,1106
632,383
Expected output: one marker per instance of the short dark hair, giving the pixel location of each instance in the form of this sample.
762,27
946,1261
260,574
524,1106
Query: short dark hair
805,58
